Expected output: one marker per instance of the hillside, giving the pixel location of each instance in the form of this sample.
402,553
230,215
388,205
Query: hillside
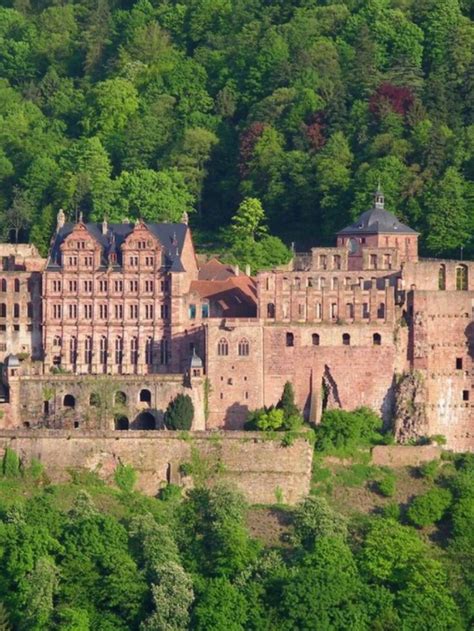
125,109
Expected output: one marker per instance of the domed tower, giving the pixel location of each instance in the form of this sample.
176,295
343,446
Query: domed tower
377,228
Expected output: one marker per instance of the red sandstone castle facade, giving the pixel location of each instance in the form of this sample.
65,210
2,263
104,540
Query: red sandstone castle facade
363,323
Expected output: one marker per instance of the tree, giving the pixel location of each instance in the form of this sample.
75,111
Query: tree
38,595
249,221
220,606
4,619
430,507
287,401
314,518
348,430
18,217
179,413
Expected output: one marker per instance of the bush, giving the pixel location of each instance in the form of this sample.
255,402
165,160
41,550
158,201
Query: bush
314,518
345,431
387,485
11,463
125,477
180,413
429,469
430,507
392,511
170,492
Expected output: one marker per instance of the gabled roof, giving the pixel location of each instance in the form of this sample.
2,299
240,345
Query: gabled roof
170,235
377,221
236,296
215,270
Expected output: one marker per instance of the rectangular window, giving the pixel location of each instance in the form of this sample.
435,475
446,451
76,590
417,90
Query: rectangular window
133,310
87,312
365,310
192,312
149,312
118,312
205,310
88,286
149,286
72,261
73,286
103,286
133,261
318,311
301,310
164,312
57,312
458,363
165,285
149,261
103,312
465,395
323,261
334,310
56,286
373,261
133,286
118,286
164,352
88,261
337,262
72,309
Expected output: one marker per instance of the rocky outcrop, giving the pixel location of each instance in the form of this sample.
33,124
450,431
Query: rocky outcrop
410,420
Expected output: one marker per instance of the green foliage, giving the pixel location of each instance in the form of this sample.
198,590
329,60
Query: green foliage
179,413
314,518
11,463
387,485
429,469
202,468
4,619
341,431
125,477
430,507
392,511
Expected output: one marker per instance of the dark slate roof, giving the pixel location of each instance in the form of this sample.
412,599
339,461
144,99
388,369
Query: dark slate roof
170,235
376,221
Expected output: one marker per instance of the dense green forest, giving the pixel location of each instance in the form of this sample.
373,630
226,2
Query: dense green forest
84,556
124,109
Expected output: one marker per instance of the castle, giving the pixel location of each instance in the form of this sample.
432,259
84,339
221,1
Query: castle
129,309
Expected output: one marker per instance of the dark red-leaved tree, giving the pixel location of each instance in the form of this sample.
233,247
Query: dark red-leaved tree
248,139
315,131
397,98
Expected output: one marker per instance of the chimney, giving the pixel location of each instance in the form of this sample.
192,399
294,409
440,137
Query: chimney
60,219
105,226
247,270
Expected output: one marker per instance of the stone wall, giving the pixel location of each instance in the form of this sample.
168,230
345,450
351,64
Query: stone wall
403,455
256,466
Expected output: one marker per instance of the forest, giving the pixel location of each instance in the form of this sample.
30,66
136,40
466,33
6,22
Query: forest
151,108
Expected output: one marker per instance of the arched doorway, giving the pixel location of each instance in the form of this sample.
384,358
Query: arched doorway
145,396
121,422
69,401
145,420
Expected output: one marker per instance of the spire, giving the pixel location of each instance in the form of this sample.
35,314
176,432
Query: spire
105,226
379,199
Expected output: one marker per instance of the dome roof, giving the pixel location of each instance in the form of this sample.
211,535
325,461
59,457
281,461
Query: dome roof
375,221
196,361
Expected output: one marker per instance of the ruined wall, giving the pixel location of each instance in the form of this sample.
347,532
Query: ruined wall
40,400
404,456
257,467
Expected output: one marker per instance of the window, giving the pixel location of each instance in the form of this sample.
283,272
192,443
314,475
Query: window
29,310
301,310
192,312
318,311
57,312
145,395
334,282
73,350
103,286
205,310
148,312
103,350
88,350
134,351
72,261
365,310
381,310
57,341
133,260
16,285
3,284
165,285
72,312
103,312
387,260
118,354
290,339
118,286
270,310
118,312
349,310
88,261
373,261
323,261
346,339
16,310
461,277
334,310
377,339
149,351
87,312
297,282
244,348
88,286
442,277
133,310
72,286
56,286
120,397
149,286
337,261
69,401
164,312
458,363
465,395
149,261
164,351
222,347
133,286
315,339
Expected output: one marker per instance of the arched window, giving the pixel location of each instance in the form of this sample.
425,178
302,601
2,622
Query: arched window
118,351
381,311
290,339
442,277
3,310
88,350
57,341
69,401
16,285
222,347
121,422
16,310
149,351
346,339
349,310
134,351
103,350
73,350
145,395
120,398
270,310
3,284
244,347
377,339
461,278
315,339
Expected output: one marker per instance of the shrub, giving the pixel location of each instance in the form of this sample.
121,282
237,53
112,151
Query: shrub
387,486
11,463
170,492
125,477
439,439
180,412
36,469
429,469
314,518
430,507
341,430
287,402
391,511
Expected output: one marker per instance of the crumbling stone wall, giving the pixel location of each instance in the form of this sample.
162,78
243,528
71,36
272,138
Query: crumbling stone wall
410,420
260,468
